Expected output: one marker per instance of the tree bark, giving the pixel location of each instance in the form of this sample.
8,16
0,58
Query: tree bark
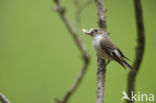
101,63
3,98
139,50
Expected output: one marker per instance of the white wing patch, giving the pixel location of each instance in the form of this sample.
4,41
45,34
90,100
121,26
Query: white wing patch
117,53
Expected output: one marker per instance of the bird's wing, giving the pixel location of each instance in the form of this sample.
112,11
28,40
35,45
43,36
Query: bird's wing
111,50
122,54
114,52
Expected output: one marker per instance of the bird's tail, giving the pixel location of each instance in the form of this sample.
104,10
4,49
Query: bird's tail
127,65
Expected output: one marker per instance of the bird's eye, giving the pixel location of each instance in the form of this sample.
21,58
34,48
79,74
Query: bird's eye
95,30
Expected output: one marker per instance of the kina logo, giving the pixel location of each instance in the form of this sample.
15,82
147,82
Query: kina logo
140,97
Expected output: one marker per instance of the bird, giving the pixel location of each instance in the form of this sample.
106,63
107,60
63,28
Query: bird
105,48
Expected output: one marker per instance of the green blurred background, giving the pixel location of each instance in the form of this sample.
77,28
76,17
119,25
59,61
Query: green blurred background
39,60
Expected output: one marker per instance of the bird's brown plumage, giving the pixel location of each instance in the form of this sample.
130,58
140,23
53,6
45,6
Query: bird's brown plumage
114,52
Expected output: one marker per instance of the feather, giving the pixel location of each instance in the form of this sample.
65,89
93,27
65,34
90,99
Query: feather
111,50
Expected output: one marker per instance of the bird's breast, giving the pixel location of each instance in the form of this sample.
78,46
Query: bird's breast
96,43
98,48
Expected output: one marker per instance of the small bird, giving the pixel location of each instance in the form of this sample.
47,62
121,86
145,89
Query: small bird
105,48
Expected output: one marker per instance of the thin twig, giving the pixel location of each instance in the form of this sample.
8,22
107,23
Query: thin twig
76,84
79,9
140,48
101,63
80,45
3,98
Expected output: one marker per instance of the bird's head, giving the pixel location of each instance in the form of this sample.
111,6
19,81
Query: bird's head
93,31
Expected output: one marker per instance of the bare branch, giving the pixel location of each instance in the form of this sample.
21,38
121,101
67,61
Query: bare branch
76,84
79,9
101,80
101,63
101,14
80,45
76,38
3,98
140,48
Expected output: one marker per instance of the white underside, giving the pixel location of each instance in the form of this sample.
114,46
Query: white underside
100,52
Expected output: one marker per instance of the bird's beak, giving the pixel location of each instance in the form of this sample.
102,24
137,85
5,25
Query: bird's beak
86,32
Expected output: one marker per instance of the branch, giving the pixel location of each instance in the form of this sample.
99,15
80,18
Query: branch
101,63
140,48
79,9
101,14
80,45
101,79
3,99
